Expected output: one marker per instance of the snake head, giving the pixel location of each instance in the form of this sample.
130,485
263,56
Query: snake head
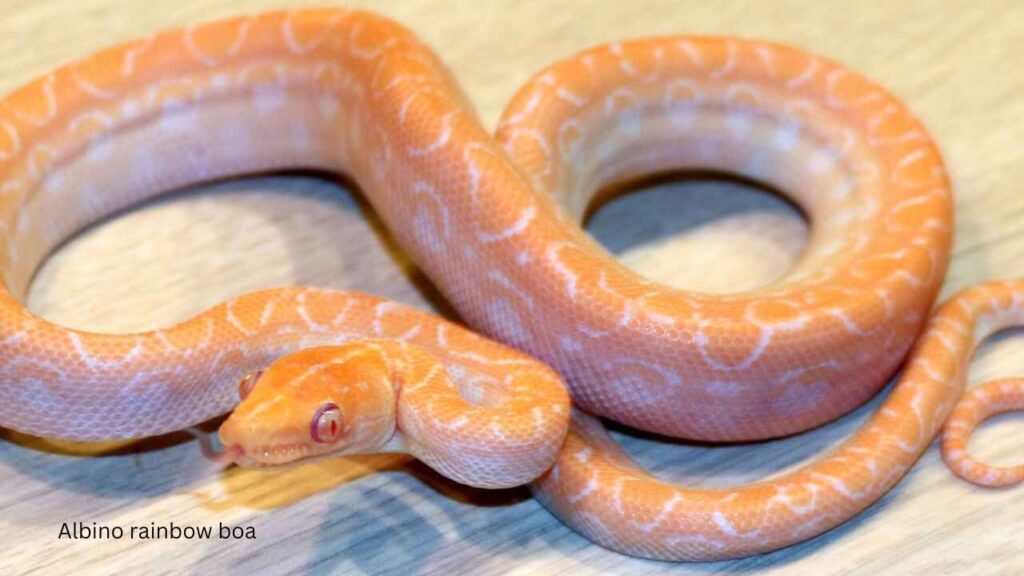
316,402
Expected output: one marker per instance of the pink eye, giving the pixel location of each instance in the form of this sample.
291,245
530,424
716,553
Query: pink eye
246,384
326,424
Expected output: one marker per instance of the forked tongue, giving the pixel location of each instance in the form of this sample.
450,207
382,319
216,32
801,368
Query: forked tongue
212,449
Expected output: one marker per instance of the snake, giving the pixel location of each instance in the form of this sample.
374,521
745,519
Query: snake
495,222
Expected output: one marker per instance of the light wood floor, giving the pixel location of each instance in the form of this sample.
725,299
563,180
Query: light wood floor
957,64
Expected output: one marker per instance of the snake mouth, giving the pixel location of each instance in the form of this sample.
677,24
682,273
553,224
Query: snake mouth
258,457
273,456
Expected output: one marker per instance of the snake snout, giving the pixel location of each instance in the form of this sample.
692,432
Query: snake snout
229,456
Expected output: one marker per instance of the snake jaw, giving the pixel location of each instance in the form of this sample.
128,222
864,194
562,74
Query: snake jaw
274,456
260,448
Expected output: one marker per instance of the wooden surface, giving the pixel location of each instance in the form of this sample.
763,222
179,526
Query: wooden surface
957,64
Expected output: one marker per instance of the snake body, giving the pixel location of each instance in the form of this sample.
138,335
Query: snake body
494,221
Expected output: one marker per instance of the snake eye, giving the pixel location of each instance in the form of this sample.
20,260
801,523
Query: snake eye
246,384
326,424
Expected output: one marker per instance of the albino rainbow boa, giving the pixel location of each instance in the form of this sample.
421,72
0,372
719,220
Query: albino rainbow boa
494,221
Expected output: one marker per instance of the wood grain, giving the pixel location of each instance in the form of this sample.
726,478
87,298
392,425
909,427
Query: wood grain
957,64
